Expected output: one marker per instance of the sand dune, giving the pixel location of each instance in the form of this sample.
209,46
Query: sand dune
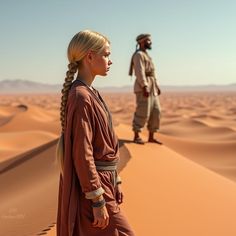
33,118
8,112
11,110
166,194
29,192
197,130
25,139
217,156
24,125
185,187
14,143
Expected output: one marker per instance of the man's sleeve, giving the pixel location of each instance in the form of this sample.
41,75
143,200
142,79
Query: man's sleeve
139,69
156,80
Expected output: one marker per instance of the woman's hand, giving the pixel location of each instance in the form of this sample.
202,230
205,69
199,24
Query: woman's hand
119,194
101,217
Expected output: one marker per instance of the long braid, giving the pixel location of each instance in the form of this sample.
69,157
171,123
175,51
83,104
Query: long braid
73,67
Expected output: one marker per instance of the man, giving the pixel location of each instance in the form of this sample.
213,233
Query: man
146,90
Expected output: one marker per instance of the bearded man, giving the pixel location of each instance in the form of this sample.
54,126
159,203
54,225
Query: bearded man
146,89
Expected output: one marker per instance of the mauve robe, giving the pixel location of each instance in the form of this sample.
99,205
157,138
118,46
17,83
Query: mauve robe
88,136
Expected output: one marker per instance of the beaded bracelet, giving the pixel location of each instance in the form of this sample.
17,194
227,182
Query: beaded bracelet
99,204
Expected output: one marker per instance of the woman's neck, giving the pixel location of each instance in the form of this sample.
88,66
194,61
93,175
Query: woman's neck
86,78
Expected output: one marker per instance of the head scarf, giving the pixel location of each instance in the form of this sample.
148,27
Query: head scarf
139,39
142,37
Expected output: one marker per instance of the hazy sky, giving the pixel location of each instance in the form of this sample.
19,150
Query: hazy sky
194,42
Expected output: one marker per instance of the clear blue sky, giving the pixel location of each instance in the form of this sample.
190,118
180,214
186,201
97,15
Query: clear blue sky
194,42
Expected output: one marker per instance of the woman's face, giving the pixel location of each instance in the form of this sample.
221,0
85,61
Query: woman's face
101,63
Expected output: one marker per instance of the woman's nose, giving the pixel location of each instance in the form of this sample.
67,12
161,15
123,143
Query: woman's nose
109,62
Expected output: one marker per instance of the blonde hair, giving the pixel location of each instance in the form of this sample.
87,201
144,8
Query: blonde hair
77,49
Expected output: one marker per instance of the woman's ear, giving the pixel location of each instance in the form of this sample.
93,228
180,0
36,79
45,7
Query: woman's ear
89,56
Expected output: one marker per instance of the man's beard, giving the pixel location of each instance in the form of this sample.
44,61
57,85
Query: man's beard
148,46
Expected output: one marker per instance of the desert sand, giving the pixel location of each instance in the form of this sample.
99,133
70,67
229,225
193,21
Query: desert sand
185,187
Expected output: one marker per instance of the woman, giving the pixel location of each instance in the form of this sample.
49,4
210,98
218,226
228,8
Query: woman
89,191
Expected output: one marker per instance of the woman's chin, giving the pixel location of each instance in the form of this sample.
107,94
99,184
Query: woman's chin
104,74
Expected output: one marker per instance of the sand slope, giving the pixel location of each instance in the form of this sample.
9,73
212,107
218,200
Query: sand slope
25,126
29,192
166,194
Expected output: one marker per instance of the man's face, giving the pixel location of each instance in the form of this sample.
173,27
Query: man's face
148,43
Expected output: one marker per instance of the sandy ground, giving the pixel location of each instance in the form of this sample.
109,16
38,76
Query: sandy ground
185,187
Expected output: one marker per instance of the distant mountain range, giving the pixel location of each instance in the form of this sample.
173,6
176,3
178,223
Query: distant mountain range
26,86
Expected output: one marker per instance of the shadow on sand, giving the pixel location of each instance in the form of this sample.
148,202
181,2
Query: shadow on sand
125,155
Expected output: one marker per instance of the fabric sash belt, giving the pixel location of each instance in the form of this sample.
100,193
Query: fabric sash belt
108,166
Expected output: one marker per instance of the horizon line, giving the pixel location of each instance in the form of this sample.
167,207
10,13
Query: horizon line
119,86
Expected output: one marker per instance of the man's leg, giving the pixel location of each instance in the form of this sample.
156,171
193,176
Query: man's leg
140,116
154,119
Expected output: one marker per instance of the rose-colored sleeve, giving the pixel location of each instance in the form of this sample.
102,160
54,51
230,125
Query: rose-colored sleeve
83,149
139,69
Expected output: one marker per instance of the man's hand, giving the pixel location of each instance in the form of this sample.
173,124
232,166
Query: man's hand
158,91
146,91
